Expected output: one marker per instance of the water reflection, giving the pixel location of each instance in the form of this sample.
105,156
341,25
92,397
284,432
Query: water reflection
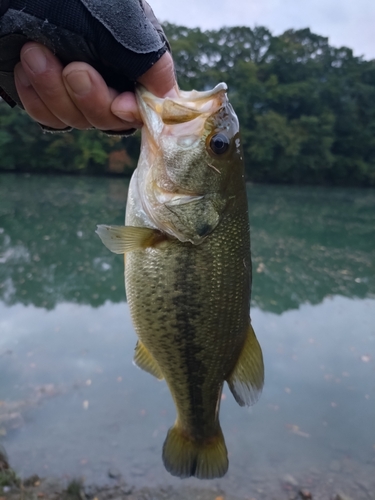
71,402
48,247
308,243
80,407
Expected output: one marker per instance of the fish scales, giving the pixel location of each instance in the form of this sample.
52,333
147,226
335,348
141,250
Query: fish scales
184,306
186,241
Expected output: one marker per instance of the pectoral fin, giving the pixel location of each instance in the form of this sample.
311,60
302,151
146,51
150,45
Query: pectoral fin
144,359
122,239
246,380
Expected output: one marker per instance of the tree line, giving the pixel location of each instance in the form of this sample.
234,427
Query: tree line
306,110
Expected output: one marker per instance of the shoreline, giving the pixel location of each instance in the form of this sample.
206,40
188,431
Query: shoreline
287,488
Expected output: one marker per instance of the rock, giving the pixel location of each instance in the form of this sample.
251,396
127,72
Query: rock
126,490
114,473
89,491
305,494
341,496
32,481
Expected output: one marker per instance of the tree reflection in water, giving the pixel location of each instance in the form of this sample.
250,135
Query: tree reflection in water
307,243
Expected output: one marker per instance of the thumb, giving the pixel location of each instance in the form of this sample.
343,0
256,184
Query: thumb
160,79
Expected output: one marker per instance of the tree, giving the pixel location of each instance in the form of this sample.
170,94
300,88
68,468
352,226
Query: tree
306,109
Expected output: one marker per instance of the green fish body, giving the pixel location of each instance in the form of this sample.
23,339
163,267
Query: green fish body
186,241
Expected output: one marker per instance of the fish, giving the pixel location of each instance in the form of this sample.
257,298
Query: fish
186,242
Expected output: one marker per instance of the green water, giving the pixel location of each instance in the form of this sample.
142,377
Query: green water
72,403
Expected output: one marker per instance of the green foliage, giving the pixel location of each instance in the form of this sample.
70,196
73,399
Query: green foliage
74,490
306,109
25,147
8,478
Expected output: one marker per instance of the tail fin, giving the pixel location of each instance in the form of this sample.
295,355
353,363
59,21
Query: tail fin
183,457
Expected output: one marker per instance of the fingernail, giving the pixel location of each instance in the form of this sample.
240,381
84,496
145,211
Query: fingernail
35,59
21,76
126,116
79,82
131,120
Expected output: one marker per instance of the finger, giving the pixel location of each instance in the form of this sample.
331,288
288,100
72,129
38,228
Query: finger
125,107
93,98
44,71
31,101
160,79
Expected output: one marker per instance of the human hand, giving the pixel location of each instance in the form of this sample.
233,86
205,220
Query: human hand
77,96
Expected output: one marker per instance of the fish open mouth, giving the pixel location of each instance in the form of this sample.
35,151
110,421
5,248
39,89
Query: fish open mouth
185,114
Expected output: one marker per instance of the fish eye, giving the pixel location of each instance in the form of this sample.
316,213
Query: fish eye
219,143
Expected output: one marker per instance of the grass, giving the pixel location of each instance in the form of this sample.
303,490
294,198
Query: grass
8,478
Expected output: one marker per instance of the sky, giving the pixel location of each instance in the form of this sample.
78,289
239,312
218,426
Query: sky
345,22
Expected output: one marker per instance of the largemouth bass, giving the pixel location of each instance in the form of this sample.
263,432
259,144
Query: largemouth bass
186,242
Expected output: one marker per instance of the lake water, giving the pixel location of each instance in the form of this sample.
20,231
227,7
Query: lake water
73,405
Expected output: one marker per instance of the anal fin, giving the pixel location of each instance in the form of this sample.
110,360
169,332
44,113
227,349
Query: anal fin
246,380
144,359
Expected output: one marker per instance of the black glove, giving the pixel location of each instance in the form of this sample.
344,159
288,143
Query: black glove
120,38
